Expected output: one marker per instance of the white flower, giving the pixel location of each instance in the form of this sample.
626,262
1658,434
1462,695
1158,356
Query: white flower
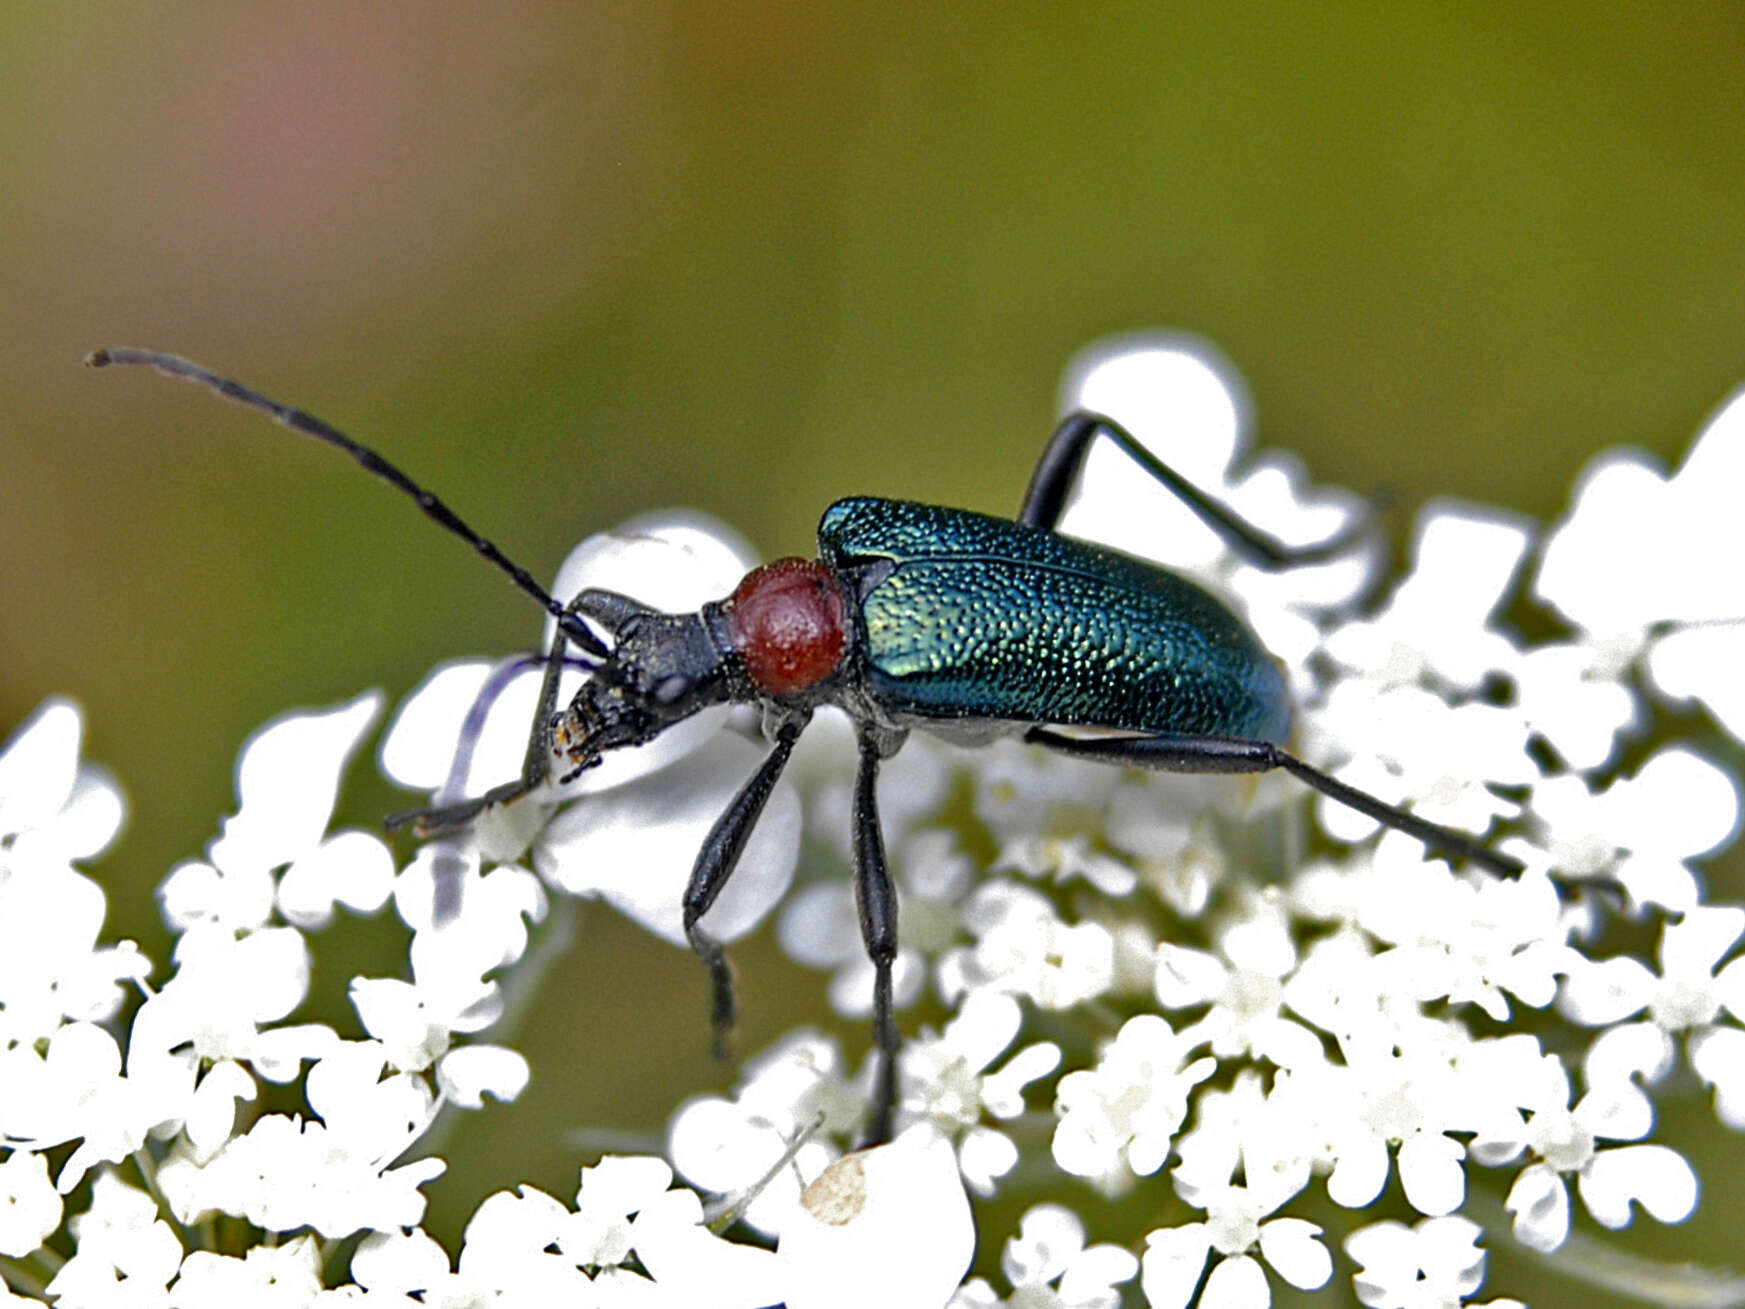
1561,1141
76,1091
1398,1087
1641,830
1410,747
1686,998
399,1263
1463,562
1024,948
1245,996
1572,695
335,1175
943,1081
125,1252
1237,1129
1050,1267
1123,1114
1175,1257
1435,1265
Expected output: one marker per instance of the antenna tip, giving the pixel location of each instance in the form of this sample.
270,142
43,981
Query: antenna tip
97,359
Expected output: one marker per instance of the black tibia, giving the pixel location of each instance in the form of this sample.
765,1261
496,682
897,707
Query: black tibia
1064,456
535,764
1223,754
876,899
715,864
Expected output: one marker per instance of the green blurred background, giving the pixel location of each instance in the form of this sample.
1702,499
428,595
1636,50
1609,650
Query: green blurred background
570,262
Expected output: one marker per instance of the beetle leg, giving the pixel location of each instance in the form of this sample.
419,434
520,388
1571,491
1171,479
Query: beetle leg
1227,754
876,898
715,864
535,765
1064,456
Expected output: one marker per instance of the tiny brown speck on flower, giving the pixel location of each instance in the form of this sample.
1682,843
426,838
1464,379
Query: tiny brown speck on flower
838,1194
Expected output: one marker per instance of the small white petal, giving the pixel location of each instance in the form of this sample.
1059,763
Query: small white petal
1360,1172
355,869
1431,1174
708,1143
30,1209
1049,1237
1177,395
38,765
399,1263
1293,1247
1628,1053
1171,1266
419,743
1703,663
287,779
1188,977
1236,1283
674,560
471,1072
1718,1056
1654,1176
984,1156
1003,1091
1089,1280
818,926
212,1115
1599,993
1540,1202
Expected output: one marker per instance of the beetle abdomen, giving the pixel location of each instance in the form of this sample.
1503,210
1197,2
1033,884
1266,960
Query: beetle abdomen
987,618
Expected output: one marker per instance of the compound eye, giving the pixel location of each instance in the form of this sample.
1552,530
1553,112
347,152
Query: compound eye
670,690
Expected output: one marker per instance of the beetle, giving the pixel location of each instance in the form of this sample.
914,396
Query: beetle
913,616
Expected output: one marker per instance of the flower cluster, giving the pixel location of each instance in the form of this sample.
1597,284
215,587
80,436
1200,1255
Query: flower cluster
1124,984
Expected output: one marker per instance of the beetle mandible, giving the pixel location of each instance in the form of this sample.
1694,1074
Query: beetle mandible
912,616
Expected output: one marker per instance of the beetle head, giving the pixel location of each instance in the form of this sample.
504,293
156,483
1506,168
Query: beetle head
662,668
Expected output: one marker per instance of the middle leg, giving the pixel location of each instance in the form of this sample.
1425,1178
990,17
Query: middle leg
875,897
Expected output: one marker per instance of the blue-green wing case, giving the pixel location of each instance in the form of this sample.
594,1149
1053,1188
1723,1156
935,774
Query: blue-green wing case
982,617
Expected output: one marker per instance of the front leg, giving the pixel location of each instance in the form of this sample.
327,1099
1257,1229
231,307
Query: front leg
715,864
451,815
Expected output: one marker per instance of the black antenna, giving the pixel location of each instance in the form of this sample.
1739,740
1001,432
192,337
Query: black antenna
298,421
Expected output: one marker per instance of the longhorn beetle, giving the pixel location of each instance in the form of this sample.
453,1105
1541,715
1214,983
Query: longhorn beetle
913,616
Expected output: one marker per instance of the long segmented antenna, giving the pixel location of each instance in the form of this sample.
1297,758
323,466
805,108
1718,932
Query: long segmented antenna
309,425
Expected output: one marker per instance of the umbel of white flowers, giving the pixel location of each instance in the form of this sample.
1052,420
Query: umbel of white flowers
1228,1023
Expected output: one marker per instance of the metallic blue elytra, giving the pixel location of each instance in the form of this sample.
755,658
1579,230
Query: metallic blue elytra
986,618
